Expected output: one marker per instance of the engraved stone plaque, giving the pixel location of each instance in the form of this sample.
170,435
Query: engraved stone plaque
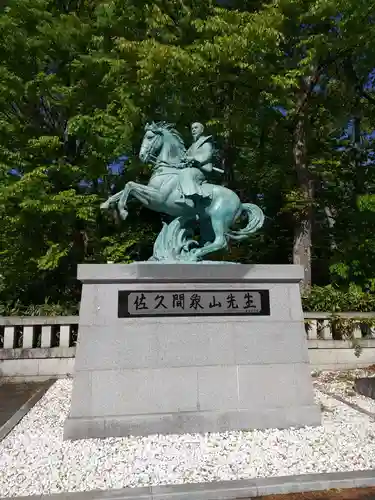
193,303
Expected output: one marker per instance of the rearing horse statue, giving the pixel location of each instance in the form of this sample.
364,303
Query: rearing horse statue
163,147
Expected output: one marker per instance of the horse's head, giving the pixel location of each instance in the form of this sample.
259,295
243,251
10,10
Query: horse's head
161,142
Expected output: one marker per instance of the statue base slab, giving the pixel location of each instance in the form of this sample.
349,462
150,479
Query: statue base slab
187,366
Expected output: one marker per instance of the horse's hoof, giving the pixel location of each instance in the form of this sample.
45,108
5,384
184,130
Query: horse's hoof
123,214
194,252
104,206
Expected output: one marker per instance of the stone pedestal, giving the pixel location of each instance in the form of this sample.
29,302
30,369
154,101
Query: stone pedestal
189,369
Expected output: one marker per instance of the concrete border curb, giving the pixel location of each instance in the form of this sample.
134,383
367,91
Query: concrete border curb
226,490
25,408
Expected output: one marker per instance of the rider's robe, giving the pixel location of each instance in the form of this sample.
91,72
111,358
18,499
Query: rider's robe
192,178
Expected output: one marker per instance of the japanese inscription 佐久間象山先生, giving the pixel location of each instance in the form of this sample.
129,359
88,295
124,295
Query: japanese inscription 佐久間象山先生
193,303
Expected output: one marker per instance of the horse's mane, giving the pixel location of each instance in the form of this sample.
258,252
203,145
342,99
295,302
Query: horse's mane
161,127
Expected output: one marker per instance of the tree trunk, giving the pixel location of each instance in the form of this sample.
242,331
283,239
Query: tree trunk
331,224
228,161
302,250
302,244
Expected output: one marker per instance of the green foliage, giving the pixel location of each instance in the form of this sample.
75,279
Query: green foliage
78,80
330,298
45,309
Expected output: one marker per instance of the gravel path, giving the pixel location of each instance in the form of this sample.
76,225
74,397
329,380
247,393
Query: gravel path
35,460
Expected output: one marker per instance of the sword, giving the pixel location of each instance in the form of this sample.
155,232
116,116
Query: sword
218,170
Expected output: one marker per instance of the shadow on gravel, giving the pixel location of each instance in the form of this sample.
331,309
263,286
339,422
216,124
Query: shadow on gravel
13,395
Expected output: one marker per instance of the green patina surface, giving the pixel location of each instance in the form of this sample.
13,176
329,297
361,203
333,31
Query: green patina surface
179,187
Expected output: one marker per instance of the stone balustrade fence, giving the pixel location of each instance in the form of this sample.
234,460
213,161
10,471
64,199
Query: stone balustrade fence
34,347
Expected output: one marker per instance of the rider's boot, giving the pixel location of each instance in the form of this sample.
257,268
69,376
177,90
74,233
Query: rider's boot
182,200
186,201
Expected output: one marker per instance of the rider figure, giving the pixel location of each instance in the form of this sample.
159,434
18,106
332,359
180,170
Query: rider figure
198,164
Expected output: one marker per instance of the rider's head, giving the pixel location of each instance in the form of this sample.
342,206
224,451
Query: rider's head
197,130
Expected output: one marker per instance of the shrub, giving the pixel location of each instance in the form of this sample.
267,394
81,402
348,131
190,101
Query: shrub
330,298
46,309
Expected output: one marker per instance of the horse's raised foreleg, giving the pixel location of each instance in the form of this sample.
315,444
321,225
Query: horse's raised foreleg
111,200
145,194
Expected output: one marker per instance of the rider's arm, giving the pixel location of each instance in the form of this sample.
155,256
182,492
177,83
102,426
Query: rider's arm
203,157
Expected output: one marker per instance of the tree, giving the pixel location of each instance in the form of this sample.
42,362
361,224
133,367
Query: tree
63,118
276,83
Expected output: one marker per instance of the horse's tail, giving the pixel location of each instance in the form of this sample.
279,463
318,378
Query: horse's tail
255,221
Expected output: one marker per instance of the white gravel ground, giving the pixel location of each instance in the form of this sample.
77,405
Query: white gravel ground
342,384
35,460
